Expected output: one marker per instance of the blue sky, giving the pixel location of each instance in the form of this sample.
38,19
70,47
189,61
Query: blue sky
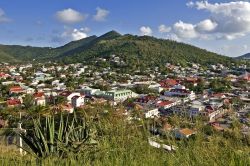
221,26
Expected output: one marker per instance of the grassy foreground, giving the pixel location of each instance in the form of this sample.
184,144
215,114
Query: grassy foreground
123,143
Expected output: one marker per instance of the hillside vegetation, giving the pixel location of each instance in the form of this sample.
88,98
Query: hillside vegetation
120,142
133,50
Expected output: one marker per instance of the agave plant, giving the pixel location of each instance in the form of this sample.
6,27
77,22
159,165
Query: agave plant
71,134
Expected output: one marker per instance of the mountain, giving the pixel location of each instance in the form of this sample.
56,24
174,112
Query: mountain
245,56
135,51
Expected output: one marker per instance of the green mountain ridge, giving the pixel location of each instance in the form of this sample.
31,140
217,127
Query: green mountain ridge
245,56
134,50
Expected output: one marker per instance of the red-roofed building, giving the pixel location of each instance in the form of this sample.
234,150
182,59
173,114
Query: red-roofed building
4,76
68,108
13,102
245,76
169,83
40,99
192,80
219,95
145,99
16,90
180,91
165,104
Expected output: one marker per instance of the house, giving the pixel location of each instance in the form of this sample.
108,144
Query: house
77,101
165,104
151,112
16,90
183,133
191,80
146,99
180,91
211,112
218,95
67,108
69,95
89,91
4,76
245,77
119,95
196,109
55,82
168,83
156,87
30,90
13,102
39,99
166,127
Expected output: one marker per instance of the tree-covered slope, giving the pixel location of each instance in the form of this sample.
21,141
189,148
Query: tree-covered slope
146,51
22,53
245,56
133,50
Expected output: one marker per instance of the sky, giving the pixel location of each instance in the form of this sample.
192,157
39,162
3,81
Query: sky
221,26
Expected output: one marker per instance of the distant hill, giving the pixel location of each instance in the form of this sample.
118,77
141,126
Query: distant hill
245,56
135,51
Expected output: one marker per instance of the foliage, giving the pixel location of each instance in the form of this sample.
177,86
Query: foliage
28,101
71,135
137,52
220,85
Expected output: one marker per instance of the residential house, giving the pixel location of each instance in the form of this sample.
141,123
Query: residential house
39,99
180,91
183,133
77,101
165,104
119,95
16,90
67,108
12,102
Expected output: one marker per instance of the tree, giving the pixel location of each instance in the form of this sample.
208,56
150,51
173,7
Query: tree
28,101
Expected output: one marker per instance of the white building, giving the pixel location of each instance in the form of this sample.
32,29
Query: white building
180,91
119,95
78,101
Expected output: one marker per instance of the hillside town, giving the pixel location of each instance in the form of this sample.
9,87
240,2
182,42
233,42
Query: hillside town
216,94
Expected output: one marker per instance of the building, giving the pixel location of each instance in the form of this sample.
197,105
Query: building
39,99
89,91
151,112
16,90
183,133
165,104
13,102
180,91
119,95
196,109
69,95
77,101
67,108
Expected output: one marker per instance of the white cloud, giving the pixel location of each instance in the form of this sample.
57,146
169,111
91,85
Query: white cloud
206,26
70,16
75,34
146,31
101,14
228,21
164,29
3,17
185,30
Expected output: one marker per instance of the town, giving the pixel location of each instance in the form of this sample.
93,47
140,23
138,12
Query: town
216,94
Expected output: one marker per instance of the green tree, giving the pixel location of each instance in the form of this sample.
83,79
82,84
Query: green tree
28,101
